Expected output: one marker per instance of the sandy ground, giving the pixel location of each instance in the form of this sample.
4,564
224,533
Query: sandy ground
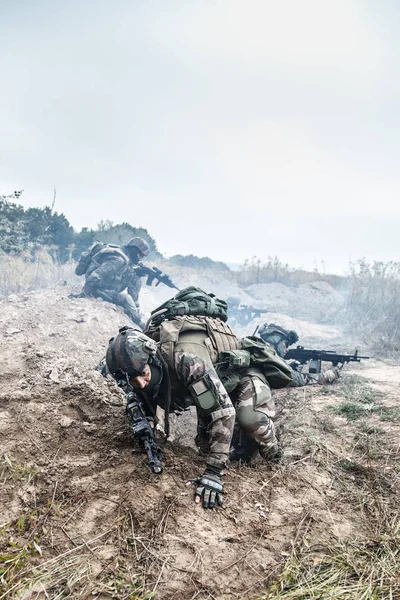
108,528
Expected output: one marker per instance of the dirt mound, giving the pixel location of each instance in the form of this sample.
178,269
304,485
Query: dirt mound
316,301
82,516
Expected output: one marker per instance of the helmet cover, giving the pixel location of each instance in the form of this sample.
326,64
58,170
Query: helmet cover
140,244
129,352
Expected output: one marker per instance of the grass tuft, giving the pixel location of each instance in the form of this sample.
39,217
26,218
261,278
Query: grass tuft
351,410
351,570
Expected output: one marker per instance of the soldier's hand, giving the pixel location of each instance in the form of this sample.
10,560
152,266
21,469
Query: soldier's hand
209,488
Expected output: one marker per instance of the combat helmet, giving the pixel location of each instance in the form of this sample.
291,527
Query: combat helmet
140,244
267,331
129,352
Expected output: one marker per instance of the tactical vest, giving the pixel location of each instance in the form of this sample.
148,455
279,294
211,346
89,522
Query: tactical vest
254,357
203,336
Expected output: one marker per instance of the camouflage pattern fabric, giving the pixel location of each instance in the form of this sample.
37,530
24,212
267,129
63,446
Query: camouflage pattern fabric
255,409
108,271
302,379
134,285
219,430
109,280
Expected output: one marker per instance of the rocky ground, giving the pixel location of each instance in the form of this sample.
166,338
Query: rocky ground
82,516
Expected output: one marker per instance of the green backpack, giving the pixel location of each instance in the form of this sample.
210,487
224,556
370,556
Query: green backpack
190,301
86,257
263,356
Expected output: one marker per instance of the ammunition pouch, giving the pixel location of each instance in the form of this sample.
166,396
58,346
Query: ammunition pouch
230,367
234,359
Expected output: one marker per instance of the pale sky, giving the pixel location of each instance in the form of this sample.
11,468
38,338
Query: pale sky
228,128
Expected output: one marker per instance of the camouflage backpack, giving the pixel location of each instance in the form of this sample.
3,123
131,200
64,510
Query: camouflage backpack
252,356
263,356
86,257
190,301
195,319
98,249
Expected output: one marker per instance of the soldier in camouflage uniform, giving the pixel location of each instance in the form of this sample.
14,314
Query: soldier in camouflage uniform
190,378
114,275
281,339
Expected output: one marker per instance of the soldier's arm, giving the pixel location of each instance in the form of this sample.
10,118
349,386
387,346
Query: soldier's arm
211,400
134,286
100,277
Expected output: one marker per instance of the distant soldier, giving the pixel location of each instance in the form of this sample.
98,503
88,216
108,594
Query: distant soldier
242,313
113,273
281,339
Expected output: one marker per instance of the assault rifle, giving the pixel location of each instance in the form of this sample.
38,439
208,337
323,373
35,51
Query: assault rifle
245,314
303,355
153,273
143,432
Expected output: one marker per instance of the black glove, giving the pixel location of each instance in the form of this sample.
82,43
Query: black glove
296,365
209,488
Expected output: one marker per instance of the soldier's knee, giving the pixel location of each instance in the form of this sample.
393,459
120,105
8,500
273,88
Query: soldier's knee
251,420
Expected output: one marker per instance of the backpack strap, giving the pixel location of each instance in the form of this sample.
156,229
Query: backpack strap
169,333
110,250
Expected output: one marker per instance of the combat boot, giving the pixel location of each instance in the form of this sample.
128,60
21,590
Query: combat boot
242,446
272,454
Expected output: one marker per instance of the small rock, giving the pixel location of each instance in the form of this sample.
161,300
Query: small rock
65,421
89,427
12,330
54,376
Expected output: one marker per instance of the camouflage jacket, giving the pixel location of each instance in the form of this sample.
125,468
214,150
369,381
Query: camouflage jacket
113,273
188,368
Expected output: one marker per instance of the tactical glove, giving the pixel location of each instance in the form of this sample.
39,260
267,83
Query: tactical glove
329,376
296,365
209,488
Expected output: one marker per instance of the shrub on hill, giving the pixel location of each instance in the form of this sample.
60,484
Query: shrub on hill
197,263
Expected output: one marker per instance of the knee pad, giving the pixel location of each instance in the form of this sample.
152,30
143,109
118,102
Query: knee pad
250,420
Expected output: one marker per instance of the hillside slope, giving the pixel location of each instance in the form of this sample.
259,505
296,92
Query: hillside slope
82,516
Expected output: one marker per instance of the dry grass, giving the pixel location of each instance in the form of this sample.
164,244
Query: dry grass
373,307
255,271
33,564
364,567
362,465
351,570
24,273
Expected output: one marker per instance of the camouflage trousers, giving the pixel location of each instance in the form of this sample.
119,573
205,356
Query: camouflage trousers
123,299
255,409
217,428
